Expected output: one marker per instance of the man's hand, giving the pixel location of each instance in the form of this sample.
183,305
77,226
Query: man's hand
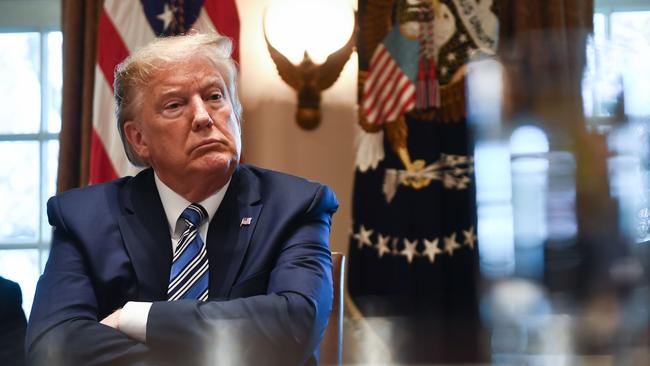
113,320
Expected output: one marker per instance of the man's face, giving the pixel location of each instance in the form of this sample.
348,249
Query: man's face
172,130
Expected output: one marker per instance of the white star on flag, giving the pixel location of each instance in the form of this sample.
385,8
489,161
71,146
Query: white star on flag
470,237
363,237
409,249
382,245
431,249
167,16
451,244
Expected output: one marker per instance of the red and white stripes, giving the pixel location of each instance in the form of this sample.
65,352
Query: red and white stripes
388,92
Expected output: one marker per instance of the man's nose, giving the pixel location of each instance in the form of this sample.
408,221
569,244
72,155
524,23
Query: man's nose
201,115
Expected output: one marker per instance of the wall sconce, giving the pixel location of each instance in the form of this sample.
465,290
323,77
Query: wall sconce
323,33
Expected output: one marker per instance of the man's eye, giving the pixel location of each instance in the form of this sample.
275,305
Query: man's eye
216,96
172,106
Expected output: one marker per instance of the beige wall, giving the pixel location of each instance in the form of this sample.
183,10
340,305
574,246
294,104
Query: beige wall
271,137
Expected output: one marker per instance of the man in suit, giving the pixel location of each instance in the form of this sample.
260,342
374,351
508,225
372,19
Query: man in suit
12,324
197,259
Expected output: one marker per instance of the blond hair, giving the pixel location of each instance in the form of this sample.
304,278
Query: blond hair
133,74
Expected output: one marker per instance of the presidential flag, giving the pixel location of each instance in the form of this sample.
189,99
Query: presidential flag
126,25
413,254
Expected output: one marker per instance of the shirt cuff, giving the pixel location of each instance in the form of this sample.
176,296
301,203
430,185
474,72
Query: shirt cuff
133,320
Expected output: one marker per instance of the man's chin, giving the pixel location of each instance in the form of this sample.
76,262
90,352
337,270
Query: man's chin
216,164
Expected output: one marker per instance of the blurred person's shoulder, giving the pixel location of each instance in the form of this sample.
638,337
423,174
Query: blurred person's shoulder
11,297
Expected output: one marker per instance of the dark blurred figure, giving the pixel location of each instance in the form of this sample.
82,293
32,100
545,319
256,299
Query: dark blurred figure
12,324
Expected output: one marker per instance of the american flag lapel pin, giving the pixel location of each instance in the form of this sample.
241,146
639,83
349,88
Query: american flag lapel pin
246,221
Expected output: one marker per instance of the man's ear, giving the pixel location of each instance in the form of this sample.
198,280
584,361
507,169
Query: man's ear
133,133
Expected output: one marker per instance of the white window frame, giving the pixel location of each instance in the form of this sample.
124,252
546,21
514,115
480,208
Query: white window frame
42,17
607,8
43,136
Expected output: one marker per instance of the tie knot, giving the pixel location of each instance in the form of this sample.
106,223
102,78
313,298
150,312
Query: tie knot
194,215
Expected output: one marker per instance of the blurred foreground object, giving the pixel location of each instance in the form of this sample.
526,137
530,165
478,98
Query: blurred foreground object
563,277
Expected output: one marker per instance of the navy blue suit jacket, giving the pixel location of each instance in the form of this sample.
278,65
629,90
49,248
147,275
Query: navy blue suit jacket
270,291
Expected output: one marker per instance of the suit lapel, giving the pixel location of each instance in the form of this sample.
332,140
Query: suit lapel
228,238
146,236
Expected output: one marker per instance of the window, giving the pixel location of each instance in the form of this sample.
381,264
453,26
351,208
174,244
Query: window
617,102
617,72
30,86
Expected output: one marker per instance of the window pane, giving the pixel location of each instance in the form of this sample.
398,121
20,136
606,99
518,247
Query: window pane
52,150
19,189
631,36
590,82
20,82
21,266
608,70
54,80
600,32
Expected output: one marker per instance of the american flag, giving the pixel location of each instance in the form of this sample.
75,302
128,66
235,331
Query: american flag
390,88
126,25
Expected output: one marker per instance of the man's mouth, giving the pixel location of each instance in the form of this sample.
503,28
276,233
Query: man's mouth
209,143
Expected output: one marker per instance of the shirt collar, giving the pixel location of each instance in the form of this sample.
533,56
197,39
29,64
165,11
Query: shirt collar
174,204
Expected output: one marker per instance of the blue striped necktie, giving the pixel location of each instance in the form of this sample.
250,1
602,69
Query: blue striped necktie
189,275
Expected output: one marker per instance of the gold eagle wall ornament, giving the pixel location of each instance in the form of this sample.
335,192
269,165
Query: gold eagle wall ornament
309,79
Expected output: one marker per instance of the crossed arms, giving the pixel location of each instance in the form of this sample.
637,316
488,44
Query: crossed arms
281,325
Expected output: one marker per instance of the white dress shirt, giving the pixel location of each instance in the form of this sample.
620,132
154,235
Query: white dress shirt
133,319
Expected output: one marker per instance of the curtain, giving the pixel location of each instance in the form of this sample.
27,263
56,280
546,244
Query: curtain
79,25
542,47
